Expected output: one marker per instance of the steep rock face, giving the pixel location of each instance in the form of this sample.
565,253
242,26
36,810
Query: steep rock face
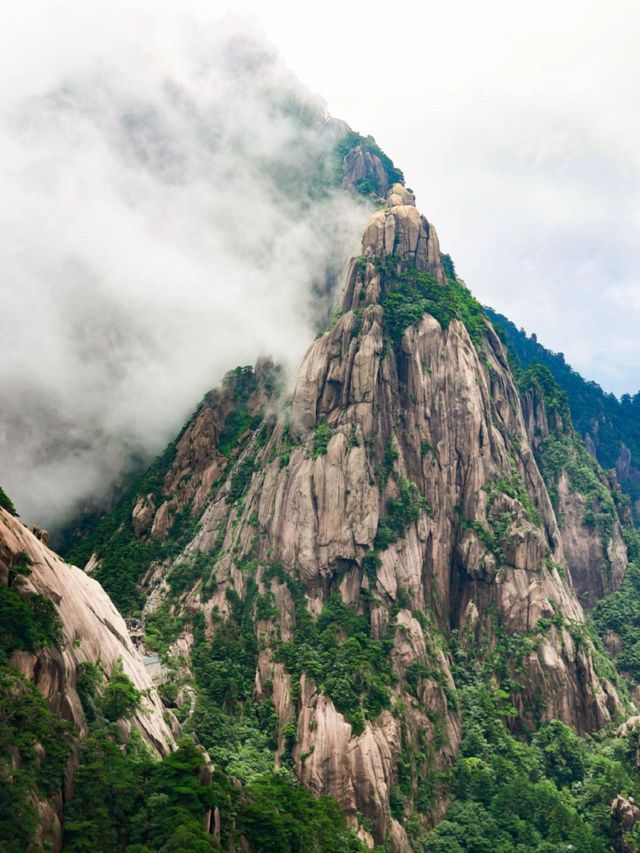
589,519
597,562
361,165
92,631
399,229
393,505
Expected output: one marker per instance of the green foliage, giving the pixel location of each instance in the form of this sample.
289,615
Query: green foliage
27,621
513,486
448,266
242,383
322,435
619,612
240,480
338,652
185,574
162,629
371,185
561,452
123,557
610,422
239,733
400,513
237,422
124,800
42,742
552,792
541,379
6,502
409,295
29,731
89,681
120,699
277,815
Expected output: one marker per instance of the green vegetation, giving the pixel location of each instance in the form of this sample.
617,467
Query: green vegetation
337,651
547,789
409,295
240,480
560,453
38,739
124,800
277,815
563,451
550,792
30,730
6,502
400,513
322,435
538,377
371,185
242,383
120,699
610,422
123,557
162,629
619,613
27,621
512,485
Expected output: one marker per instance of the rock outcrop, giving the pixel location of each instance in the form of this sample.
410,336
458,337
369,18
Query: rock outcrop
401,482
586,506
92,631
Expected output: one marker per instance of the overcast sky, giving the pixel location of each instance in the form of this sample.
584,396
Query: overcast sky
516,124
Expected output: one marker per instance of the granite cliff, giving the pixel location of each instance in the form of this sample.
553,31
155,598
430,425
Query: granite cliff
362,538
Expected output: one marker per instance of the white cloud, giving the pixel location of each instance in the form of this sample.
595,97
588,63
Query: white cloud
149,242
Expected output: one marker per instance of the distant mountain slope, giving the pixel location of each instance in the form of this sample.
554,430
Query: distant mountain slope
610,427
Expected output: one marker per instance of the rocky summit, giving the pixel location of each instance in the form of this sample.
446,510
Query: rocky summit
355,602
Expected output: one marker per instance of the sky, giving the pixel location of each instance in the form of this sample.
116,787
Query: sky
518,126
141,258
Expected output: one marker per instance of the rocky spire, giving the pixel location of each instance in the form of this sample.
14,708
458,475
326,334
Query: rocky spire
398,229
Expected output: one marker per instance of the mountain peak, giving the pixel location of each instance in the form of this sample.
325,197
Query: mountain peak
398,194
399,229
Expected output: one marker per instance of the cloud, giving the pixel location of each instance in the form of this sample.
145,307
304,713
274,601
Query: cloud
160,224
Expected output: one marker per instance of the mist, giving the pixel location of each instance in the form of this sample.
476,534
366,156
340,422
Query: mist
160,225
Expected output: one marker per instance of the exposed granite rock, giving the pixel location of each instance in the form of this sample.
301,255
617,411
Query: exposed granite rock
597,567
624,816
142,516
398,229
434,412
92,630
361,166
597,564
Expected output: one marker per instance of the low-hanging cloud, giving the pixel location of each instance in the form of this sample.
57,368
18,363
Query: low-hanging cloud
160,224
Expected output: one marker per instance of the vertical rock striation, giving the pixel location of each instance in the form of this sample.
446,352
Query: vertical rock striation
393,504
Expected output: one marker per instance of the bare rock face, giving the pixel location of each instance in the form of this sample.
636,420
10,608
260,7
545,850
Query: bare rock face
624,816
597,558
597,565
400,230
400,482
362,166
143,514
92,631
